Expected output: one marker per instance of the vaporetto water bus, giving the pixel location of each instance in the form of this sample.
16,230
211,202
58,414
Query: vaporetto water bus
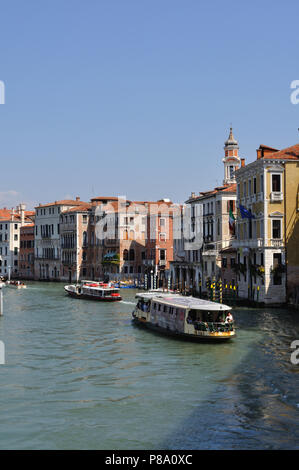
186,317
93,290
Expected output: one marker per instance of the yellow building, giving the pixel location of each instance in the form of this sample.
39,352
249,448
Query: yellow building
267,225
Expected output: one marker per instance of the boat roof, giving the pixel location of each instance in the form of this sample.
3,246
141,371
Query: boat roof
178,300
97,287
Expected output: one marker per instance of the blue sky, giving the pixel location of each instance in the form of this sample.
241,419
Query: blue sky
135,97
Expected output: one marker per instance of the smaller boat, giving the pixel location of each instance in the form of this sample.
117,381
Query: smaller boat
16,284
93,291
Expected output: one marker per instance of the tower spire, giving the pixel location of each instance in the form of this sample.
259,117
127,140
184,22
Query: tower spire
231,158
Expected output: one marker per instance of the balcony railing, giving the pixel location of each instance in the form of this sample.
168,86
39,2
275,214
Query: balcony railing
276,196
258,243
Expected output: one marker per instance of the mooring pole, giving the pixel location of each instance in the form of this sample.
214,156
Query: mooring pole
1,302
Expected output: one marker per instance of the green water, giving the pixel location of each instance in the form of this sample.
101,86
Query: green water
79,375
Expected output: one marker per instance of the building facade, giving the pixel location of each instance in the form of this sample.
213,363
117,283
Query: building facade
47,251
207,225
11,222
267,228
26,252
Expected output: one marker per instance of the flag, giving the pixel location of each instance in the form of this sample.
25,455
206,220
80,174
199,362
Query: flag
245,213
231,220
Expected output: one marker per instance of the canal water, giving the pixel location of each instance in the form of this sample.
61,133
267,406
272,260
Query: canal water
79,375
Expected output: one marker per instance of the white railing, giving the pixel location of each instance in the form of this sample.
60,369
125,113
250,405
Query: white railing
276,196
258,243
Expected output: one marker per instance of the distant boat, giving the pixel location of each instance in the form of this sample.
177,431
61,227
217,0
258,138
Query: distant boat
93,291
16,284
185,317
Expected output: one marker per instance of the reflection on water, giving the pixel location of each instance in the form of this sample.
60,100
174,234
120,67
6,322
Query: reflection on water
80,376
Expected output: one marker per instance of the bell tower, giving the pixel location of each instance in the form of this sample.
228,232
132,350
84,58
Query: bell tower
231,159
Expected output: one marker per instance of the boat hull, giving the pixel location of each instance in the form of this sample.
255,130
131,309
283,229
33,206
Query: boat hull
92,297
212,337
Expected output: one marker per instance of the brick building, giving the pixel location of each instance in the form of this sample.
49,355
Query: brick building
26,252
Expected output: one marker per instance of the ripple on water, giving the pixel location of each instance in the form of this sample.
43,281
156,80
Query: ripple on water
79,375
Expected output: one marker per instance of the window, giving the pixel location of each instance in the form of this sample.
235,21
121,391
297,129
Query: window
132,235
162,237
262,184
277,277
162,255
276,228
276,183
254,185
224,262
84,238
162,221
132,255
276,259
125,255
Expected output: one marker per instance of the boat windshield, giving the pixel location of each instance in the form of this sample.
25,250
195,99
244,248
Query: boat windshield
143,305
207,316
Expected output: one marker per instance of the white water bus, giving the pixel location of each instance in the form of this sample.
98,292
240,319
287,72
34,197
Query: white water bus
93,290
186,317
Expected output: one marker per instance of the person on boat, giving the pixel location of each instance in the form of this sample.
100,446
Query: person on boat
229,318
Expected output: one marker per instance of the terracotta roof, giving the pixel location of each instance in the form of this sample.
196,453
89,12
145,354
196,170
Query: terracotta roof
63,202
5,214
266,147
228,188
104,198
289,153
82,208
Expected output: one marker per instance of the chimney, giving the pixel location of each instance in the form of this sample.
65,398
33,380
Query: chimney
242,162
258,154
192,195
77,198
22,208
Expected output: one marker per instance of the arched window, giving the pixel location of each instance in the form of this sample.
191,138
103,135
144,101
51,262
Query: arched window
132,235
84,238
125,255
132,255
125,235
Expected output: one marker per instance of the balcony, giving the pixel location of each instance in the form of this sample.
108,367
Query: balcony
276,196
162,262
276,242
258,243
